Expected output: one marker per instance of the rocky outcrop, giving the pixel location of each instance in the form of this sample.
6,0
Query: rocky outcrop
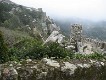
50,62
10,73
49,69
69,67
55,36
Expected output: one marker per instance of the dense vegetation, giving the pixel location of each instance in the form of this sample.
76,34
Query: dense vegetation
17,17
33,49
3,50
17,42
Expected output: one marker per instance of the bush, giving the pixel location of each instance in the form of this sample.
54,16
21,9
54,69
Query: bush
22,48
55,50
52,50
89,56
96,56
34,50
3,50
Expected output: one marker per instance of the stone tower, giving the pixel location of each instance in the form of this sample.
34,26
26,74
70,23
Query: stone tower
76,35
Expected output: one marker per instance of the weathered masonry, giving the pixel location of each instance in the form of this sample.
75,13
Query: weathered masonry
76,35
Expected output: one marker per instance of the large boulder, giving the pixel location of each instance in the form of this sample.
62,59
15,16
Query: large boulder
55,36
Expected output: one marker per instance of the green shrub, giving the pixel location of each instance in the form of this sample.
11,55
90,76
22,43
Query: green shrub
55,50
34,50
88,56
3,50
21,49
96,56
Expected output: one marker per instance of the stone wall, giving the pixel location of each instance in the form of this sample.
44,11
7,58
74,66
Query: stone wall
83,44
98,45
49,69
76,35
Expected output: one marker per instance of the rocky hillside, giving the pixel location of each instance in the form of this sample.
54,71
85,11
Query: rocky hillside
24,31
11,37
31,21
17,16
32,47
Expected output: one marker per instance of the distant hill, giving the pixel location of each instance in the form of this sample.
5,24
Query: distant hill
90,28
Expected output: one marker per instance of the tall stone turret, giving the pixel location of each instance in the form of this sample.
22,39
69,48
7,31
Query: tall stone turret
76,35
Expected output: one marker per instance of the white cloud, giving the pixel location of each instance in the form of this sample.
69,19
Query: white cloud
89,9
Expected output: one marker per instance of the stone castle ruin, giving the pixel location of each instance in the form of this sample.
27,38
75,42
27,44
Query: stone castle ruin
76,35
78,43
85,45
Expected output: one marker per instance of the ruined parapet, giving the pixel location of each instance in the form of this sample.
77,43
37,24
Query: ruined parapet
97,45
76,35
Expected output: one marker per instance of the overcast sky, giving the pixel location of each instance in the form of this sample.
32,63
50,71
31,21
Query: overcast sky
86,9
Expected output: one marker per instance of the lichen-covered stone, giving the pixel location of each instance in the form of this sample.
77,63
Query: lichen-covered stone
52,63
68,66
48,69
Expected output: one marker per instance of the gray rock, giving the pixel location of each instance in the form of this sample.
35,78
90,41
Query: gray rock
70,67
